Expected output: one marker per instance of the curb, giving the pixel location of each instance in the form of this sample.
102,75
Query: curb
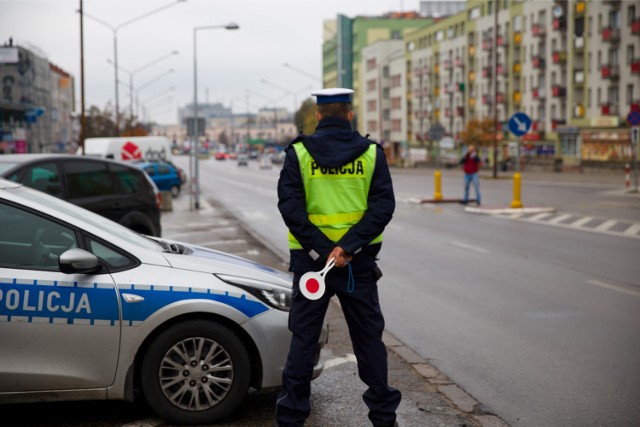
499,211
440,382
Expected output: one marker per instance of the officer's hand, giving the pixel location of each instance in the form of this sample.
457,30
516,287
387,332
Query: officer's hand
340,257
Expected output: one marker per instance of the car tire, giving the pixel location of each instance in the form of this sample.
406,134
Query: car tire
175,190
179,361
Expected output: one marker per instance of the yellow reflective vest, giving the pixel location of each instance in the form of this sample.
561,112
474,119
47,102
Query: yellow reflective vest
336,198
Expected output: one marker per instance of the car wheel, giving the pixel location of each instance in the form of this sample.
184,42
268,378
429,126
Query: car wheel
196,372
175,191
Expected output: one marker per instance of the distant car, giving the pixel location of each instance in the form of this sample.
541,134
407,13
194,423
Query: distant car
164,175
114,189
221,156
265,162
243,160
91,310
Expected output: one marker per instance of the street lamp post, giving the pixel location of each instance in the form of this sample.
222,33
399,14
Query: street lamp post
131,74
304,73
114,29
196,130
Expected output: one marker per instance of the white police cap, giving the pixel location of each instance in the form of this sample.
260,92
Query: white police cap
332,95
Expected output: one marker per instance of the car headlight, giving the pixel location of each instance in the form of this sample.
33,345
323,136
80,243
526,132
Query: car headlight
276,296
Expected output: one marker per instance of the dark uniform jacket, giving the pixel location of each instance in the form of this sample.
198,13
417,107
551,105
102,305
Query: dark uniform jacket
332,145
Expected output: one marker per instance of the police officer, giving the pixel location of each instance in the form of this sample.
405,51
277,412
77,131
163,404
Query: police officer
335,195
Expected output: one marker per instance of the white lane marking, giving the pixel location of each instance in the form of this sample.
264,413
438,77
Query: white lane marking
336,361
539,216
471,247
560,218
606,225
220,242
582,221
614,288
633,230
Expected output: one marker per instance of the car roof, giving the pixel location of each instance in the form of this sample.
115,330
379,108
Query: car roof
32,157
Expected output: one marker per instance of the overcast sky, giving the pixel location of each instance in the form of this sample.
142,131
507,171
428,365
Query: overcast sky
230,63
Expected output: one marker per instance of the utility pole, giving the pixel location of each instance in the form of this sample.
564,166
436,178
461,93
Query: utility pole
495,90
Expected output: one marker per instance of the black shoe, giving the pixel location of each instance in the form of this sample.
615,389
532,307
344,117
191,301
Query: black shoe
462,202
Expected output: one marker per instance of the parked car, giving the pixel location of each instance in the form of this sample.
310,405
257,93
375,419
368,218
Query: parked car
265,162
164,175
114,189
243,159
91,309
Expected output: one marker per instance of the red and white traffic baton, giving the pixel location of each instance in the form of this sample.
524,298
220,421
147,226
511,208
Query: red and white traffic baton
312,283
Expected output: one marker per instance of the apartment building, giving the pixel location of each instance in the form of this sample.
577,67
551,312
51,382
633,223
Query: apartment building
36,102
571,65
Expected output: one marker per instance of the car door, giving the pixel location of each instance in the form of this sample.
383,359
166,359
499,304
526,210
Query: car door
58,331
166,177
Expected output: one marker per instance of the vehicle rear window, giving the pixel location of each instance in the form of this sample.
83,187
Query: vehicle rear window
130,180
87,179
42,176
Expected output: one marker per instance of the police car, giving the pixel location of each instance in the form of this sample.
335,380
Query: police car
92,310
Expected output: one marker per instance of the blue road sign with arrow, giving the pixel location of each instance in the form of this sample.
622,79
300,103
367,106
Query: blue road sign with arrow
519,124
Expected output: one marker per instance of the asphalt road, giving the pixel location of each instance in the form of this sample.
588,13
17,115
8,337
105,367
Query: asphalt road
537,318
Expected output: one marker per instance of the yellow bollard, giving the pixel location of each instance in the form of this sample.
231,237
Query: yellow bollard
517,187
438,184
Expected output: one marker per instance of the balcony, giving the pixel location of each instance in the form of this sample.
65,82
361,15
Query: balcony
459,63
610,72
501,70
487,43
578,77
559,57
517,38
613,3
446,64
486,72
517,69
635,27
472,102
560,23
578,43
502,41
471,50
580,7
578,111
609,109
538,30
538,62
472,76
611,35
501,99
558,91
517,97
635,66
447,112
538,93
486,99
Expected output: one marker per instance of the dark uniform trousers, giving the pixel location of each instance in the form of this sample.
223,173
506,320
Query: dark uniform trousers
364,318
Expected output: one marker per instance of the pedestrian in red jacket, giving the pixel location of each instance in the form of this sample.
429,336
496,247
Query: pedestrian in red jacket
471,164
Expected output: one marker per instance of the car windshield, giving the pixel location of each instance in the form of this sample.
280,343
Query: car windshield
89,217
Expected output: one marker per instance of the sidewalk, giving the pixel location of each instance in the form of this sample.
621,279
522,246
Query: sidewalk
429,397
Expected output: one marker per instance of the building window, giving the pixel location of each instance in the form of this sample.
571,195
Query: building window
630,54
371,105
629,94
371,84
569,145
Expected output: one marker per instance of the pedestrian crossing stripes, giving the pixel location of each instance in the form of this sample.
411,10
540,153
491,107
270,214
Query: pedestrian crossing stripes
616,227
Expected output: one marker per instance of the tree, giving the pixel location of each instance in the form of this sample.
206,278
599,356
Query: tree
479,132
306,117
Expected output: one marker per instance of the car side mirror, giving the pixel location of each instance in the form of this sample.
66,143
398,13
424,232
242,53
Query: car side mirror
78,261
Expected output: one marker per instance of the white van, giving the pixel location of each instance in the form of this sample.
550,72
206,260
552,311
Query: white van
147,148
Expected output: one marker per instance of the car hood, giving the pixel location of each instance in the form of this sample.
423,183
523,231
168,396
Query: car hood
199,258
